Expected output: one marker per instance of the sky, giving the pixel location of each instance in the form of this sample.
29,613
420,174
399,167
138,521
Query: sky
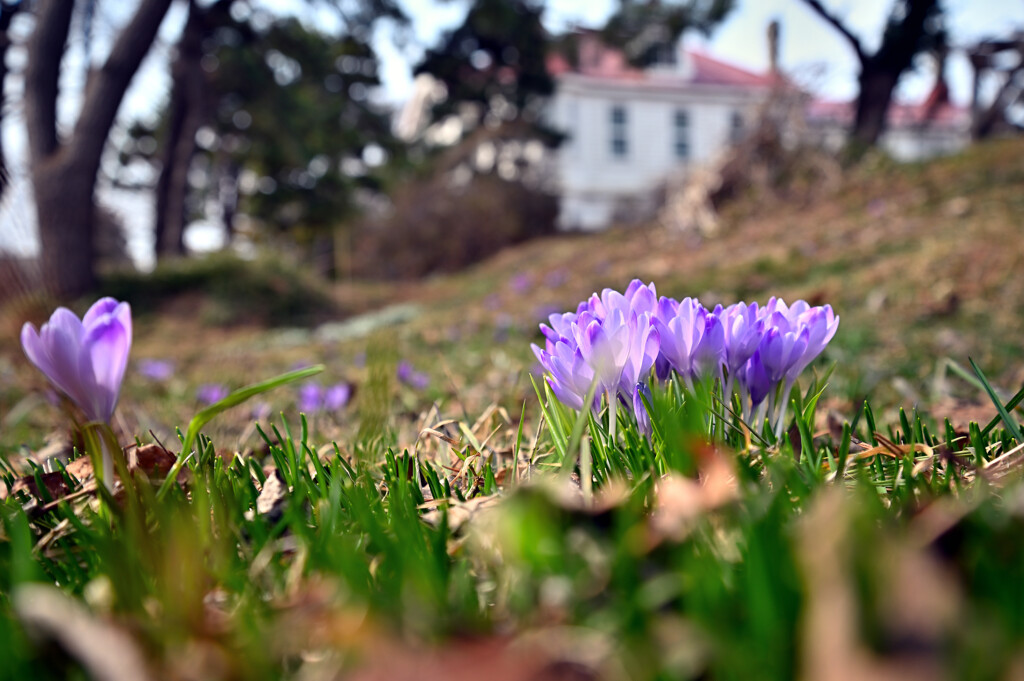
810,50
808,47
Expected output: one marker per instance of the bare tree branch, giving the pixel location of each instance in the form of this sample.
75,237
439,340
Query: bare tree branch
45,52
837,24
107,88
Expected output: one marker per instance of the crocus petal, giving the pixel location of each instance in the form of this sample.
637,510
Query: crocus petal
105,356
61,339
35,350
101,308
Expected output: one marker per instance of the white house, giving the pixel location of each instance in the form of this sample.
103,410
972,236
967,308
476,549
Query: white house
628,130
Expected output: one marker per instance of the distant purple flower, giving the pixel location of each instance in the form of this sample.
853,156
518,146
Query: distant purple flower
310,398
493,302
412,378
556,278
359,360
209,393
876,208
337,396
156,369
643,419
84,358
520,283
260,411
504,325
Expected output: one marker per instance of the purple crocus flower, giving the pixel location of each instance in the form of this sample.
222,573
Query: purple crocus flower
260,411
84,358
337,396
571,376
520,283
310,398
743,329
642,297
692,339
208,393
605,346
412,378
560,329
821,324
609,339
556,278
156,369
756,380
782,347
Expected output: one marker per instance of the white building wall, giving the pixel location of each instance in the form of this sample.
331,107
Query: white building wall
593,180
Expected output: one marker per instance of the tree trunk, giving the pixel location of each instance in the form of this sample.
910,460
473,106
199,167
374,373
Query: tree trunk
228,190
64,172
875,94
179,148
63,194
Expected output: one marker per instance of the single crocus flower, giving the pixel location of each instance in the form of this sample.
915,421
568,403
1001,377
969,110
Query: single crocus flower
570,375
682,327
156,369
84,358
520,283
758,384
260,411
310,398
821,324
337,396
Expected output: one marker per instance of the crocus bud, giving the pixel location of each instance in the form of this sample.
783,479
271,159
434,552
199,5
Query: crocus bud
643,419
84,358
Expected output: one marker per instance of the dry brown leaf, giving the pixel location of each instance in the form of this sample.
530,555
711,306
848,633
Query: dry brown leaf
107,652
681,500
831,644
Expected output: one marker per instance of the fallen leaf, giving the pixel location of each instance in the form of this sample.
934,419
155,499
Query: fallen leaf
106,652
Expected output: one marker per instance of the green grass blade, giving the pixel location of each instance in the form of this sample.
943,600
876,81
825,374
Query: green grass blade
1012,404
233,400
1011,426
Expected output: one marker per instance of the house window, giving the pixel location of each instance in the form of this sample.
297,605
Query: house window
619,132
682,134
735,127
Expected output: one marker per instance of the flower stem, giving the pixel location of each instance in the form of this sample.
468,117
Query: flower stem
612,417
782,415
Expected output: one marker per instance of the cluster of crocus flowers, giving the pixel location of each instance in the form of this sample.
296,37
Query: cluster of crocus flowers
610,344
